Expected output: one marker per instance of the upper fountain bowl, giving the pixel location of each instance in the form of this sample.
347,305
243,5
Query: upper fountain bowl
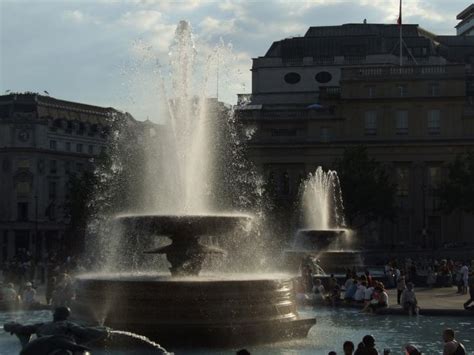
185,225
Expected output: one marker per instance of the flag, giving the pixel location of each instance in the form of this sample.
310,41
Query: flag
399,20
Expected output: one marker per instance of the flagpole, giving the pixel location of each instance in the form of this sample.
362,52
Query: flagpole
400,25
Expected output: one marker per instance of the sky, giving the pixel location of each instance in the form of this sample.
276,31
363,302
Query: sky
105,52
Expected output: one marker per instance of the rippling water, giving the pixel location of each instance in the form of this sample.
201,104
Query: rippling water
332,329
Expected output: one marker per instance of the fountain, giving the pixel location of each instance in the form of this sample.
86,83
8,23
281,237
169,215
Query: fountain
324,236
181,307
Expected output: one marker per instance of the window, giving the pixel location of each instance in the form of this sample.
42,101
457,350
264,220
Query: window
434,122
292,78
433,89
52,145
79,167
68,146
91,149
403,180
53,166
22,211
23,163
69,127
401,123
434,177
79,148
52,190
325,134
370,91
82,128
370,123
323,77
402,90
23,188
67,167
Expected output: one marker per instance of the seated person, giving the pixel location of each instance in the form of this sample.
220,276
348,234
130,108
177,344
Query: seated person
360,292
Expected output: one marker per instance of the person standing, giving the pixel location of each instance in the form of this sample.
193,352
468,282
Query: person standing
467,304
401,286
465,276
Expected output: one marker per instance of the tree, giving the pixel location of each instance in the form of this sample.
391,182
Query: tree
368,193
456,192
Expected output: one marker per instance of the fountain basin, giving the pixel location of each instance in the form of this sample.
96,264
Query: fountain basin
209,311
330,247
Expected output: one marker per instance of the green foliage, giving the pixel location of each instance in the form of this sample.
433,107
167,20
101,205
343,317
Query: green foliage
456,193
368,193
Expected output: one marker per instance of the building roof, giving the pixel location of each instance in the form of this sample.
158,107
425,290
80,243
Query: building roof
352,40
466,12
48,101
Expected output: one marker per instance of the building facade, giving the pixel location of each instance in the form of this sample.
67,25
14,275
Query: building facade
43,142
343,86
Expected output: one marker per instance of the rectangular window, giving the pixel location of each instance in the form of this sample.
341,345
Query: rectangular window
52,190
402,90
434,122
91,149
401,124
23,188
23,163
370,91
434,177
79,167
79,148
67,167
22,211
68,146
52,145
53,166
325,134
433,89
81,129
370,123
403,180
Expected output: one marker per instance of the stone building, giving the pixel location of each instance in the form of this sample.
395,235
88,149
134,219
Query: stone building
43,141
343,86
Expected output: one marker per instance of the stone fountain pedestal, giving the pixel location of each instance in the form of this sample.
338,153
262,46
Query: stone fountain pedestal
183,309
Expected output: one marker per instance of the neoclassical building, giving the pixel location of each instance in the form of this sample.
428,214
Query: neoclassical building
342,86
43,141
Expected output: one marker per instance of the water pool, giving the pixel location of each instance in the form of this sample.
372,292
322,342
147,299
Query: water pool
333,327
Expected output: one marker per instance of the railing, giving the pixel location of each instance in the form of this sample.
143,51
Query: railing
404,71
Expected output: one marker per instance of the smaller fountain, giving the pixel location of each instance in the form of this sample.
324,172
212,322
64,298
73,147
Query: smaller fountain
324,237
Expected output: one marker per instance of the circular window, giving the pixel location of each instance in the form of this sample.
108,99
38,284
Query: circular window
292,78
323,77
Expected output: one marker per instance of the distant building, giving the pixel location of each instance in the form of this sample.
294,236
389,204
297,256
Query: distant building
342,86
43,141
466,26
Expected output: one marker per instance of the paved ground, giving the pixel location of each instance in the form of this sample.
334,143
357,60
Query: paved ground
435,298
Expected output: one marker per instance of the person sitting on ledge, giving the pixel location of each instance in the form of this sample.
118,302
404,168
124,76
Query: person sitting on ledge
408,299
451,345
59,327
380,299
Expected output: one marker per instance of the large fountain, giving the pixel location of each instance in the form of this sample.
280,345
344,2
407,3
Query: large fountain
323,237
180,307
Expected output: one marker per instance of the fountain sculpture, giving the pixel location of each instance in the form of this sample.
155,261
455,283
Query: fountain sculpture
184,308
324,236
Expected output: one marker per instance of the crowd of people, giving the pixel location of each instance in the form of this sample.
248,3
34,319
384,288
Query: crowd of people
432,272
21,277
367,346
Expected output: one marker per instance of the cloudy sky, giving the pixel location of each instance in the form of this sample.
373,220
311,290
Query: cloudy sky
99,52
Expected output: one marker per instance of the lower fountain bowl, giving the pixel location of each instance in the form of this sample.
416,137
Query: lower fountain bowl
204,311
